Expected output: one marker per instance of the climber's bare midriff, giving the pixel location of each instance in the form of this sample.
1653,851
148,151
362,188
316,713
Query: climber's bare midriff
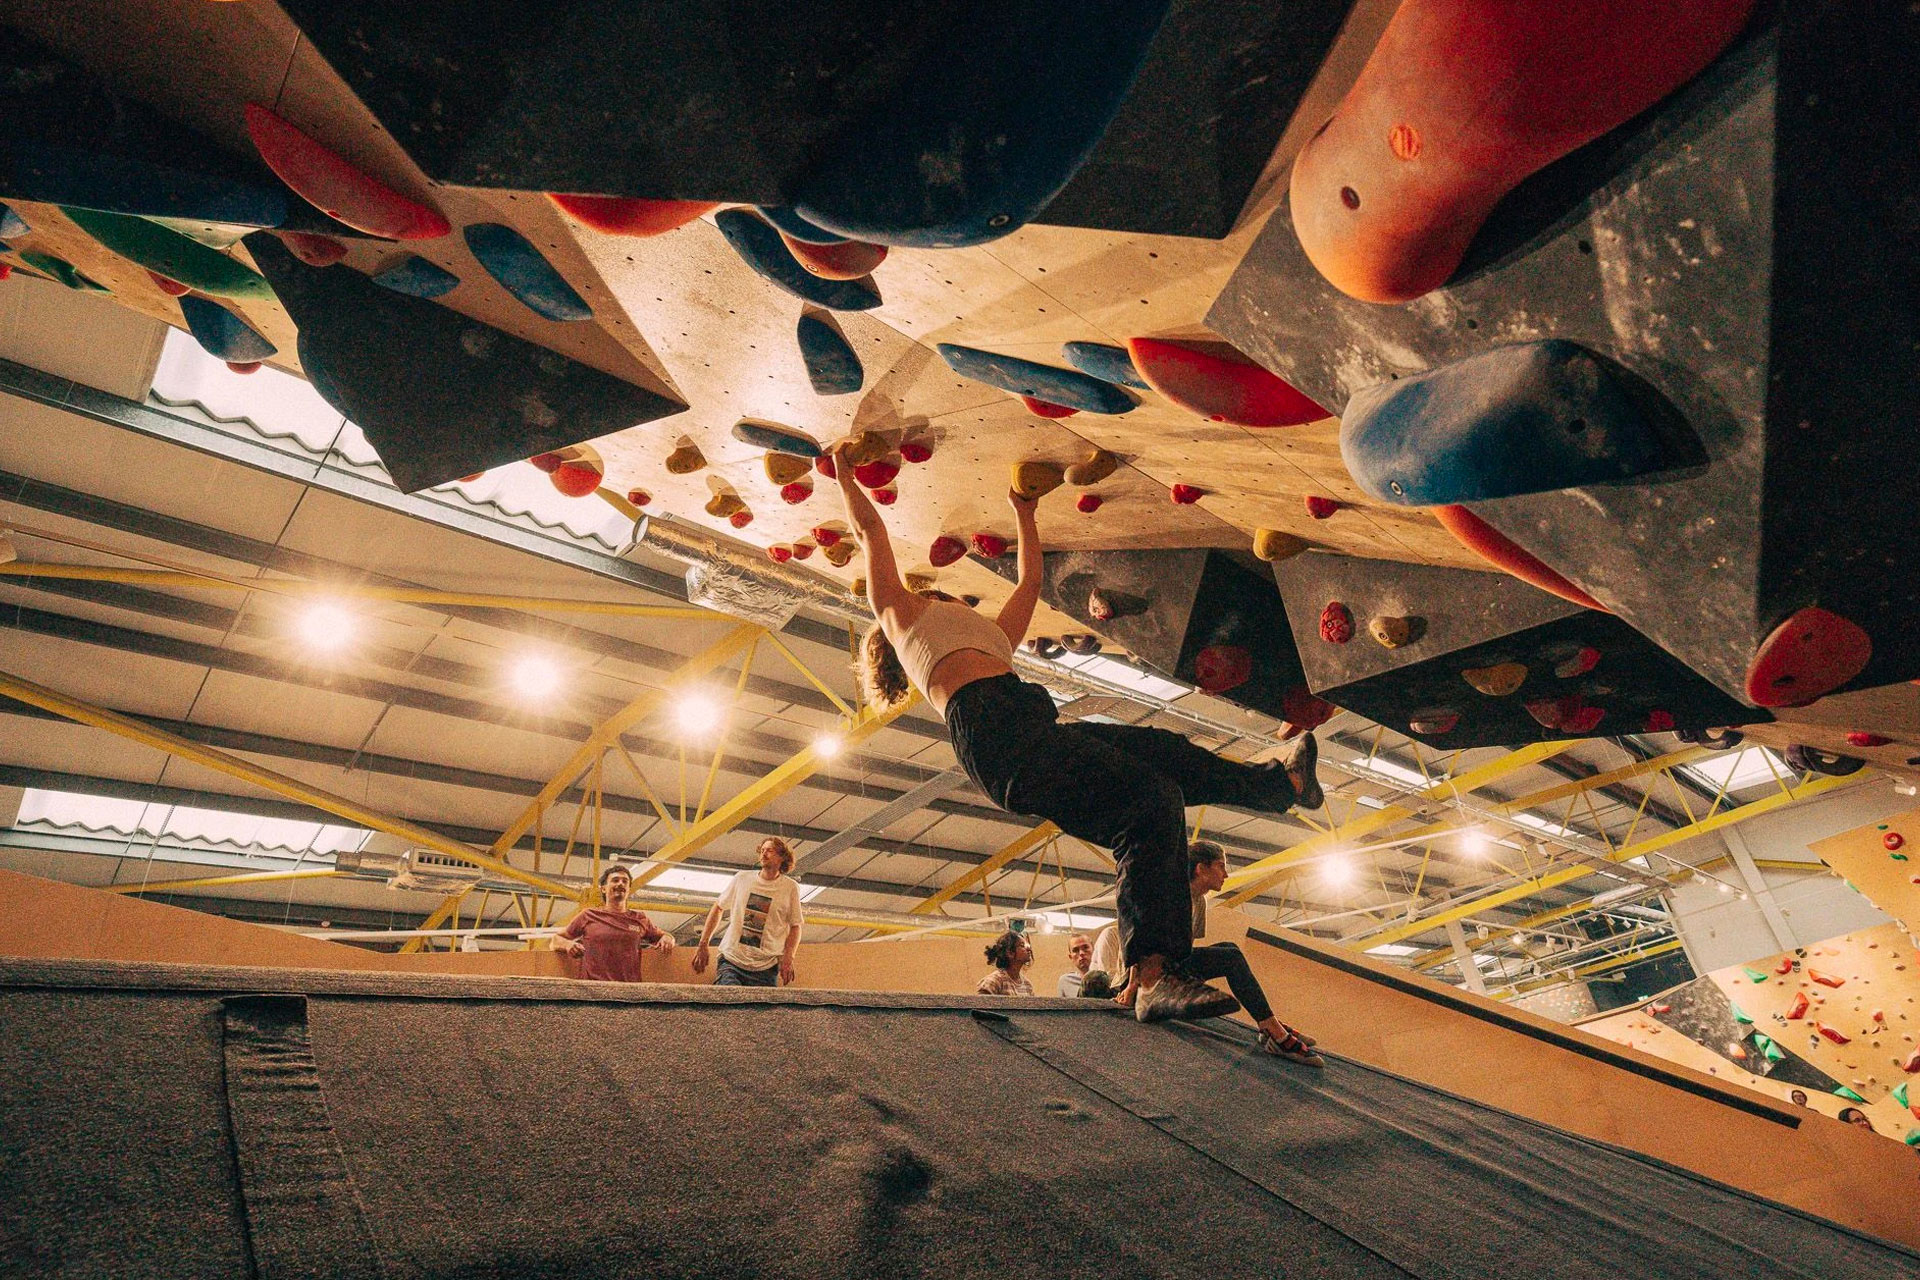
958,670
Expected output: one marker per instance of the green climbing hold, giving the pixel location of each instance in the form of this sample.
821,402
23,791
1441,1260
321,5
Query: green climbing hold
1898,857
61,270
1754,974
173,255
1900,1094
1772,1051
1740,1015
1913,1138
1848,1094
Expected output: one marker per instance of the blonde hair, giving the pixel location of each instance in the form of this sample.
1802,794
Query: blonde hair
883,681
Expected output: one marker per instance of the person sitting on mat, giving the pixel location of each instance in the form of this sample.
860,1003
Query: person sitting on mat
764,919
607,940
1126,787
1207,871
1080,952
1009,954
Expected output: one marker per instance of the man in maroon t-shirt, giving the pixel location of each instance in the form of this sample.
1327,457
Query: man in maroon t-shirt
607,940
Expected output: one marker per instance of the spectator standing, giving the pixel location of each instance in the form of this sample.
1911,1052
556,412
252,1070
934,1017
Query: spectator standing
764,920
1080,952
607,940
1009,954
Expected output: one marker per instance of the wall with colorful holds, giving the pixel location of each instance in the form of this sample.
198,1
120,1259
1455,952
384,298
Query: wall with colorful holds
1882,861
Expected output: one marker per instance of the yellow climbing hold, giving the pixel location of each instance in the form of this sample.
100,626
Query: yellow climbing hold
1093,468
1272,544
1036,479
1389,631
686,460
723,505
784,468
1496,681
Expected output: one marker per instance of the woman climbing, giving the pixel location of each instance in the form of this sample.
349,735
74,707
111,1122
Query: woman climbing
1123,786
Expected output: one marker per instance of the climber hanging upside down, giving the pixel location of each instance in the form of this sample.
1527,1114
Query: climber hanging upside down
1122,786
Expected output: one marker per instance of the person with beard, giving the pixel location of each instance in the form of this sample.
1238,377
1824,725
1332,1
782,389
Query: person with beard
607,940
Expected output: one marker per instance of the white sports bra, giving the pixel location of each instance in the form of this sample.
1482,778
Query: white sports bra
946,628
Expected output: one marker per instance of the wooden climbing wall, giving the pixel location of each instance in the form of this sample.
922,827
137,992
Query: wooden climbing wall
1882,861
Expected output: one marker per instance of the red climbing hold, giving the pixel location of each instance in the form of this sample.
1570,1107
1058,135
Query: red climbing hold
1321,508
1220,667
1100,607
1911,1063
946,549
1661,1008
1303,711
1893,840
824,465
915,451
1579,664
547,462
1826,979
1570,714
6,270
797,492
801,550
741,518
1833,1033
1799,1009
1431,724
337,188
575,479
1500,551
875,475
989,546
1808,656
886,497
621,216
1859,738
1186,495
172,288
639,497
848,260
826,536
315,251
1220,385
1785,966
779,553
1043,409
244,366
1088,503
1336,623
1658,721
470,479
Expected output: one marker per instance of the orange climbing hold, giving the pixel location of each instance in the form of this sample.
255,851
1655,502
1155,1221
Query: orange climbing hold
1785,966
1220,384
1461,100
620,216
1911,1063
802,549
1860,738
848,260
244,366
825,535
1500,551
575,479
779,553
1799,1008
335,187
1833,1033
1046,409
547,462
825,466
639,497
1826,979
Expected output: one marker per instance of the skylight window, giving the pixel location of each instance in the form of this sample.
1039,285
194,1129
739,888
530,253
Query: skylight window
1398,772
183,824
1125,675
1541,824
1064,920
694,880
1738,770
1394,950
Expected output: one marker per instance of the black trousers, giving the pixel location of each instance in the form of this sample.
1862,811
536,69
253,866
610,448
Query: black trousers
1223,960
1126,787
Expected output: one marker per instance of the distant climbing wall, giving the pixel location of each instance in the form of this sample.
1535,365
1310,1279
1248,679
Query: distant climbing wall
1882,861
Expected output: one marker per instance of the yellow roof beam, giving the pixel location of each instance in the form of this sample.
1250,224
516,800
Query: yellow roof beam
1020,845
208,882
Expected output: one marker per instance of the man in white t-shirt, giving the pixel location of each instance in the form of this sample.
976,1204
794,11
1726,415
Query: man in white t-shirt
763,923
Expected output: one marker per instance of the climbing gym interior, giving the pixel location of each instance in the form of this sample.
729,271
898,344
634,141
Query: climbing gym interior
423,431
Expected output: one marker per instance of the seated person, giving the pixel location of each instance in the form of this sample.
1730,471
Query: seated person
764,919
607,940
1206,872
1008,954
1080,952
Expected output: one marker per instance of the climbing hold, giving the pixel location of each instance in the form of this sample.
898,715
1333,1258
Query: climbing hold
1336,623
576,479
6,271
165,251
832,367
1500,551
1579,664
802,549
1833,1033
1773,1052
1303,711
1035,480
848,260
868,446
224,335
314,250
59,268
685,460
335,187
826,535
1740,1015
1754,975
946,550
877,474
784,468
779,553
915,450
1808,656
172,288
623,216
418,278
1274,545
1220,384
1092,469
1322,508
1844,1092
1826,979
1044,647
1519,419
1220,667
741,518
1498,680
1738,1052
639,497
547,462
1911,1063
989,546
1081,644
1109,364
12,225
1661,1008
1390,632
858,587
1087,503
794,227
795,493
1893,840
1433,723
1879,1015
886,497
1185,495
1859,738
1105,606
1799,1007
1659,720
919,583
511,259
1066,387
1043,409
723,505
1480,102
1570,714
244,366
777,439
1785,966
761,247
839,553
1899,1094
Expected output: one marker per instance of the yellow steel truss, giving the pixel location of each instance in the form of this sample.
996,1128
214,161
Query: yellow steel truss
1019,846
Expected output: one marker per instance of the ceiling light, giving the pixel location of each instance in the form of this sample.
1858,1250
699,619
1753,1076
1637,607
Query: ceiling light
325,626
697,712
534,675
1337,870
1475,843
828,745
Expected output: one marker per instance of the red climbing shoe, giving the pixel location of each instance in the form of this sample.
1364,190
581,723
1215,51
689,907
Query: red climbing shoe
1294,1047
1178,999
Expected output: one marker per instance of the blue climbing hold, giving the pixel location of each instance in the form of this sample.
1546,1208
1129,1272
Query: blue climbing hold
522,272
222,334
1109,364
418,278
12,225
832,366
990,128
797,227
1065,387
1520,419
756,241
776,438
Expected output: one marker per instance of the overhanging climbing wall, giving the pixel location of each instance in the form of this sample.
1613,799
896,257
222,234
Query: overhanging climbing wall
365,1126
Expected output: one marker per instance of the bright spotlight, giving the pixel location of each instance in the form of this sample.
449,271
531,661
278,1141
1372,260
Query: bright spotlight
325,626
697,712
1475,843
828,745
1724,887
1337,870
534,675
